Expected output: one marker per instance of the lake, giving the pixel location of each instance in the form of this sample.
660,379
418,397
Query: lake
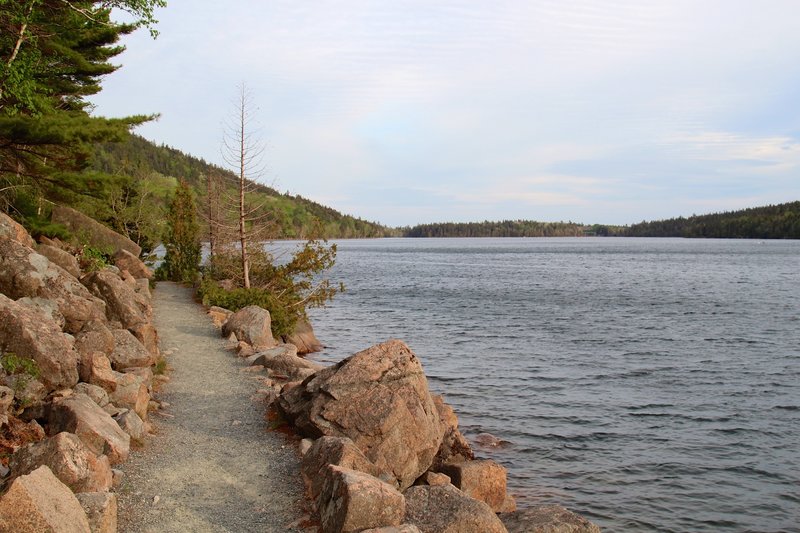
648,384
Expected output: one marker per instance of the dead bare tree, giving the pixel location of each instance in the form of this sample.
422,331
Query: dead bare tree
243,151
286,286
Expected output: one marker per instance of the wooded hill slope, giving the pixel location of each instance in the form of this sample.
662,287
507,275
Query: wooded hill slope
780,221
157,169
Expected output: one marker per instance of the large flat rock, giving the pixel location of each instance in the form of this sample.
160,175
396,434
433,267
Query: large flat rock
31,334
24,272
98,235
40,503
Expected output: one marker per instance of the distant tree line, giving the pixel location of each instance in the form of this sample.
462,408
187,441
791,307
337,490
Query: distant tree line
780,221
505,228
770,222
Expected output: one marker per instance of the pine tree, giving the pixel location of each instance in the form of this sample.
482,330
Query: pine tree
53,54
182,240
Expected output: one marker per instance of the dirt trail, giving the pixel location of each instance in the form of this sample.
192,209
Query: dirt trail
213,465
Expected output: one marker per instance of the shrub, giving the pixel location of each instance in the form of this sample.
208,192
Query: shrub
26,370
286,288
14,364
93,258
38,227
160,367
34,214
182,240
282,321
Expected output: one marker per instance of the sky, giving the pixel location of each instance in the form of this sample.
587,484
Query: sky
416,111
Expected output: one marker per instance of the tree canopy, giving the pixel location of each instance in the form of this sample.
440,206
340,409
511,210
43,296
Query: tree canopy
780,221
505,228
182,240
53,55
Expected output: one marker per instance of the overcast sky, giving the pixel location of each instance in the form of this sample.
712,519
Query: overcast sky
413,111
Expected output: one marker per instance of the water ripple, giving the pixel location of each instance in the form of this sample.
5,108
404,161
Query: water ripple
651,385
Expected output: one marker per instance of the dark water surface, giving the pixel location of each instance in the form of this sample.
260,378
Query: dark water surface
649,384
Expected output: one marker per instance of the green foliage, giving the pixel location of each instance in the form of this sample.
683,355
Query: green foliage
12,364
300,279
24,370
39,227
294,217
132,207
143,11
780,221
34,214
53,55
284,288
182,240
160,367
505,228
282,320
93,259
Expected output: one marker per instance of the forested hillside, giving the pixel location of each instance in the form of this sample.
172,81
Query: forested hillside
157,169
780,221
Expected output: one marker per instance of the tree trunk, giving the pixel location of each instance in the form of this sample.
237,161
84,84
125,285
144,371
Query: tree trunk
242,232
20,38
212,204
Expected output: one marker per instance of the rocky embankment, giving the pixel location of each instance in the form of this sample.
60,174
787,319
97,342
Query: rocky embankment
79,352
381,453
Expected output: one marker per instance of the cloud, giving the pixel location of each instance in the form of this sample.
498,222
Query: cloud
768,153
530,198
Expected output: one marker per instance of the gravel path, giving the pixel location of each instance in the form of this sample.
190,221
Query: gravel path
213,464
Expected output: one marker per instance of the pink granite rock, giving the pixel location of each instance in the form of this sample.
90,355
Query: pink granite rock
40,503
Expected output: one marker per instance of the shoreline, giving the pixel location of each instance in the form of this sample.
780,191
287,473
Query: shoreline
348,436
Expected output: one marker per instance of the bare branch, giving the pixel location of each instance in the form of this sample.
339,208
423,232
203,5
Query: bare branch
20,35
242,151
90,15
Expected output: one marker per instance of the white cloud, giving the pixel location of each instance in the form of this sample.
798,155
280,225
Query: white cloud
766,154
532,198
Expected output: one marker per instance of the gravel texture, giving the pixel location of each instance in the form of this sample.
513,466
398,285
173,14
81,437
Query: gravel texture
213,464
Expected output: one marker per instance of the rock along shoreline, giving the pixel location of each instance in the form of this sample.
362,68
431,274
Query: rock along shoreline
379,451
